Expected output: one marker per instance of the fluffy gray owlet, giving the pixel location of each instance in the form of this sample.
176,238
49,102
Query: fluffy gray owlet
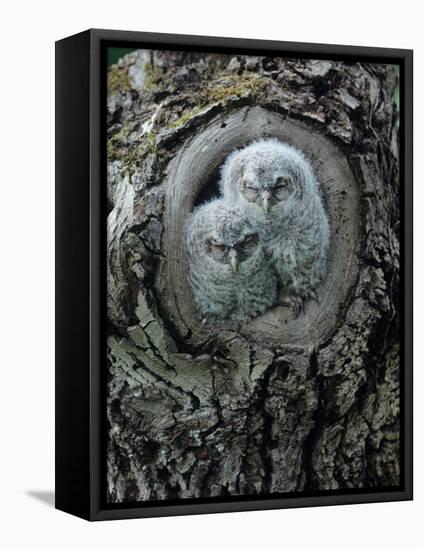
229,273
276,186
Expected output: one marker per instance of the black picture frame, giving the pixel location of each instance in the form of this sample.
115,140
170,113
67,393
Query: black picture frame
80,268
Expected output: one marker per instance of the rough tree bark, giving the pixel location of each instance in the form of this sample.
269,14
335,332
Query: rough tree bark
278,404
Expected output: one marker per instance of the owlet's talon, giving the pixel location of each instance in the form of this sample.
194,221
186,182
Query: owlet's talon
295,304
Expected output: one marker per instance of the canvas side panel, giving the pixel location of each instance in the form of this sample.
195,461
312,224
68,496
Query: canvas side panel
72,274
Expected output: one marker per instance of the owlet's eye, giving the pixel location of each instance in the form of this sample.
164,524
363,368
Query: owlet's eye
250,191
250,242
282,188
215,248
281,182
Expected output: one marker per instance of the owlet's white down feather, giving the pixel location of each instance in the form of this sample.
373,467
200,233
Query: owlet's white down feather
275,186
228,270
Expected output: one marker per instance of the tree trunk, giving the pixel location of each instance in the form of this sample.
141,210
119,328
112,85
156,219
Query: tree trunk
279,404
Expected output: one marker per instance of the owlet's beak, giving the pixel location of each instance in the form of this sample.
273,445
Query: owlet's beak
233,259
265,196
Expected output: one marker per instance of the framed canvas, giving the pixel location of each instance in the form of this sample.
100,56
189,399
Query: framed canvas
234,274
